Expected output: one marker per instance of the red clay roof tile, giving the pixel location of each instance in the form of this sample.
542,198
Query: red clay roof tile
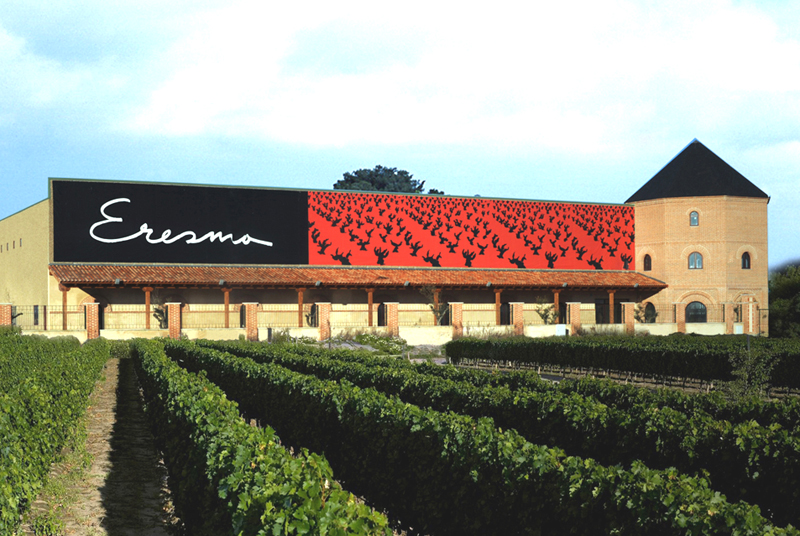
94,275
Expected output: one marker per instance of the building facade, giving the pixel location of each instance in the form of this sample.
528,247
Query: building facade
687,252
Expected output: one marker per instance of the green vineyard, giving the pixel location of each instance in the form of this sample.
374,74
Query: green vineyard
298,439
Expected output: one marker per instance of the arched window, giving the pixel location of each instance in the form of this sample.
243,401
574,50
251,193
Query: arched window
648,263
694,219
695,312
695,261
650,313
745,261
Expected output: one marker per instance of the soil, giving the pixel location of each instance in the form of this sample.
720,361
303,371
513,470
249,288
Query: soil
124,490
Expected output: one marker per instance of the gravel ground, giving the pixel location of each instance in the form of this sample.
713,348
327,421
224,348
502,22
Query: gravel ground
124,491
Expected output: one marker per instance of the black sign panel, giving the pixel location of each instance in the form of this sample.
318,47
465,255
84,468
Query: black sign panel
157,223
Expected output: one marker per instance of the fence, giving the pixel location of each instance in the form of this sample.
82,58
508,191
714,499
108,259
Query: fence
655,314
354,315
134,317
200,316
415,314
278,315
531,316
43,317
128,316
478,314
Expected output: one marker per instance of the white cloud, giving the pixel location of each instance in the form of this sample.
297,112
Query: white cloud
593,77
578,76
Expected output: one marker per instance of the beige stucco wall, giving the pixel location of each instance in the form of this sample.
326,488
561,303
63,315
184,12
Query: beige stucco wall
728,227
25,242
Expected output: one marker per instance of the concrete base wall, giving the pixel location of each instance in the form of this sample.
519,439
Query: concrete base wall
214,334
487,331
712,328
609,329
426,334
656,329
383,331
125,334
541,330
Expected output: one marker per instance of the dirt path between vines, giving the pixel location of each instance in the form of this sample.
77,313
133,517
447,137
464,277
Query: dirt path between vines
124,490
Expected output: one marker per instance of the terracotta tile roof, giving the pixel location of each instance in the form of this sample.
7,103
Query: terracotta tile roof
207,276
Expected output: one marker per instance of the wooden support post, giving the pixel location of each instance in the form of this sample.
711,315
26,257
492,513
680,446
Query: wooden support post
147,315
226,294
611,306
435,306
300,293
64,291
556,299
370,294
497,305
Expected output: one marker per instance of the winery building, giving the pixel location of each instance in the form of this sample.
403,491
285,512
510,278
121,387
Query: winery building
686,253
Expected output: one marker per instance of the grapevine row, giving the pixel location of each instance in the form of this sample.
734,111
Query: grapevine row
231,478
445,473
44,390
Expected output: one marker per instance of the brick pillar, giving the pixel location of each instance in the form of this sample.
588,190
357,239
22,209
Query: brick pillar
457,319
517,318
628,316
324,318
251,320
497,305
92,320
5,314
392,319
680,317
728,312
174,319
574,314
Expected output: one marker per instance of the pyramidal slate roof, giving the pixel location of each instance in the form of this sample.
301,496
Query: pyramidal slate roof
696,172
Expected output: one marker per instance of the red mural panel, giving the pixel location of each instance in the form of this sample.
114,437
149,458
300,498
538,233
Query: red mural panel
362,229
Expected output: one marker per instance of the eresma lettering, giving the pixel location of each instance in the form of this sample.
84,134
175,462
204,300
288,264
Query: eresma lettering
166,237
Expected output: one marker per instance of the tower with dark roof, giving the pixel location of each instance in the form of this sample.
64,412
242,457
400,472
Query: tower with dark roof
701,227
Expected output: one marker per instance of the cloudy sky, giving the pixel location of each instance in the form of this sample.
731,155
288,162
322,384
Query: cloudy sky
576,101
